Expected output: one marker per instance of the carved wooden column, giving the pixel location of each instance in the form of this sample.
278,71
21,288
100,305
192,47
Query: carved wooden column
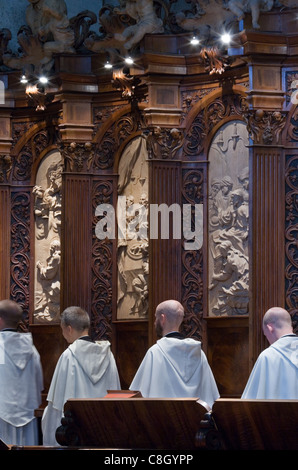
76,223
165,254
5,170
4,240
265,124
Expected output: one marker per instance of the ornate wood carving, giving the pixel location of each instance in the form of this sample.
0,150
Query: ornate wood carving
102,265
20,250
164,143
114,136
291,234
78,157
196,139
193,260
265,127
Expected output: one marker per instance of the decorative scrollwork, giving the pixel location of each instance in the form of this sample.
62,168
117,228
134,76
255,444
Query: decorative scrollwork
291,237
20,250
207,118
102,271
113,138
192,261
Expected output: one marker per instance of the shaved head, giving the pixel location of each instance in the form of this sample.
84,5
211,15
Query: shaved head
11,313
277,316
276,323
168,316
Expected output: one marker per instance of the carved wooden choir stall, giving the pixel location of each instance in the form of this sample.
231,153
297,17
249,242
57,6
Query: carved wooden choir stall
172,176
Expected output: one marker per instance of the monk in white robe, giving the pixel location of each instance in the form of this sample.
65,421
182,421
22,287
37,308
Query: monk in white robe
175,366
275,373
86,369
21,379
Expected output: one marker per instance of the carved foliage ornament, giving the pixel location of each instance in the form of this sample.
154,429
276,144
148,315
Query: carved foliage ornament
102,268
208,117
77,156
192,261
291,233
265,127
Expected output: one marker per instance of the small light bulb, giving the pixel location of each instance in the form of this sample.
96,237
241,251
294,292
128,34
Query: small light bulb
24,79
226,38
108,65
194,41
43,79
129,60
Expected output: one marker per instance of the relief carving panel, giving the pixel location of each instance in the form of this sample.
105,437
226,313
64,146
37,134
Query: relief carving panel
47,214
229,221
132,251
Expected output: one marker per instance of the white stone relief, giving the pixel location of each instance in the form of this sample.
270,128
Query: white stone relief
132,254
229,222
47,212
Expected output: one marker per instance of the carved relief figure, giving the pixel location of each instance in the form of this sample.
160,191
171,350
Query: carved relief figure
47,212
48,305
229,222
147,22
132,255
232,281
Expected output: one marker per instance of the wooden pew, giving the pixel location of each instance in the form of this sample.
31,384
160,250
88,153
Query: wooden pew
237,424
131,423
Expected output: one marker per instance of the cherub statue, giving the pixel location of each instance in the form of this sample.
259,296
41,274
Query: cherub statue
48,19
147,22
240,7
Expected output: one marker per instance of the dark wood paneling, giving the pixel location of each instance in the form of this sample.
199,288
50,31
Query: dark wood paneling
131,344
228,354
50,344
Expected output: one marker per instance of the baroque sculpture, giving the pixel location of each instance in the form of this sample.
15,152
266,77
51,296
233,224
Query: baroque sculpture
49,31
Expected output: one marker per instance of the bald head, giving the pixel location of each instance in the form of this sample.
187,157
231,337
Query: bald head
168,316
276,323
10,314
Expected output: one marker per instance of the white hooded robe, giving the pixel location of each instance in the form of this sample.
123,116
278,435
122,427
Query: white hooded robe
21,384
176,368
84,370
275,373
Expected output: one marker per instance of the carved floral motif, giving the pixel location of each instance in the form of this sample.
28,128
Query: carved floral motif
102,268
208,117
291,235
20,250
192,260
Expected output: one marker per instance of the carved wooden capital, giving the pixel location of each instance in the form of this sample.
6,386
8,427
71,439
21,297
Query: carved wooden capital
165,143
77,157
265,127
